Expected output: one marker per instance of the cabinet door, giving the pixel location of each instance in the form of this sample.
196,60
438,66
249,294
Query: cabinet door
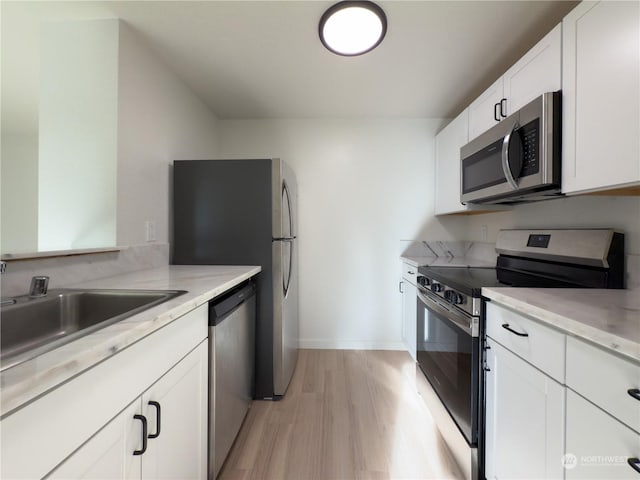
598,446
524,419
537,72
109,453
180,418
448,143
601,96
482,112
58,423
409,314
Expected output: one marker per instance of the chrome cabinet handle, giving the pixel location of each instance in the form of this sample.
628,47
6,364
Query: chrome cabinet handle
634,463
143,419
158,417
400,287
634,392
506,168
506,327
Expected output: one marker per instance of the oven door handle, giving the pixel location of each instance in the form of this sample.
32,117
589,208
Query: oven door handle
461,320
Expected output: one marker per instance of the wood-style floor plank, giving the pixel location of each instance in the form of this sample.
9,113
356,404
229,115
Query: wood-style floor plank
346,415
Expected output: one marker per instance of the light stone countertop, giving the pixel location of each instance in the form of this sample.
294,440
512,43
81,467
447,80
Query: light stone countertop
26,381
417,261
608,318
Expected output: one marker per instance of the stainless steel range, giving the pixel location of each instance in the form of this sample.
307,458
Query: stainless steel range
450,325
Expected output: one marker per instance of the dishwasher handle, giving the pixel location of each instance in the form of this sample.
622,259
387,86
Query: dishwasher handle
221,306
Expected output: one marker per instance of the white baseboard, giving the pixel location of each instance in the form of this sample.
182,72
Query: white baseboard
349,345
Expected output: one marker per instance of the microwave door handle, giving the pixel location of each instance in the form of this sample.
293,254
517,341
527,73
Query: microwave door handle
506,168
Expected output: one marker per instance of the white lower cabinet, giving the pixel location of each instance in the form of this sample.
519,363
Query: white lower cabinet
409,314
108,453
603,413
173,415
409,307
524,418
176,409
598,445
594,389
90,426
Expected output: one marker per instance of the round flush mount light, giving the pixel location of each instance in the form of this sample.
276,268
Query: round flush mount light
352,28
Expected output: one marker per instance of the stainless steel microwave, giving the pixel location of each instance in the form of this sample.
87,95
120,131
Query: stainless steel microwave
518,159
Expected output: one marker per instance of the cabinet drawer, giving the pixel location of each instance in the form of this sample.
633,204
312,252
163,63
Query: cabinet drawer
409,273
604,378
598,446
539,345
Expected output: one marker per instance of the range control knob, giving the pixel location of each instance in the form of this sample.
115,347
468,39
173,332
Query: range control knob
424,281
453,297
437,287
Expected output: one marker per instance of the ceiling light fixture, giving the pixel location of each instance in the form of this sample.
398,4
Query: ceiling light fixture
352,28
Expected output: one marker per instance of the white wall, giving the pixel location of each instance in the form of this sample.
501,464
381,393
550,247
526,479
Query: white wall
78,111
159,120
19,200
363,185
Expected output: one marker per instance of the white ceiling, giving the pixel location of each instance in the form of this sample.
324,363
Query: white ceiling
257,59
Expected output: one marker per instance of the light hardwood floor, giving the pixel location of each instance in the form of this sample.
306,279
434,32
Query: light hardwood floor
346,415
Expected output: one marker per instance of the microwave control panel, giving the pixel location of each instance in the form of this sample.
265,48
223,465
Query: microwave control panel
530,148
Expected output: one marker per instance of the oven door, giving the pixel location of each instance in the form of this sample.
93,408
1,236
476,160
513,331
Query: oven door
447,354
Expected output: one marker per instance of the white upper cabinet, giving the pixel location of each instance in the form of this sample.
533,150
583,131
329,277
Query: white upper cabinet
484,112
601,97
448,143
537,72
447,175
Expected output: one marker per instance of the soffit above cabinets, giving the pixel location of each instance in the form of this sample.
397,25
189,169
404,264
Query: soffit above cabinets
263,59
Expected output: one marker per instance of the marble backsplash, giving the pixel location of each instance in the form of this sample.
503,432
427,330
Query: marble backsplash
72,270
481,251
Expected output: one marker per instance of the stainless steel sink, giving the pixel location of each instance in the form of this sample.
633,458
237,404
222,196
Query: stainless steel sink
32,326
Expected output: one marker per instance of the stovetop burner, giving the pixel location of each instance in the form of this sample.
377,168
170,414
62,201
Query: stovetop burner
466,280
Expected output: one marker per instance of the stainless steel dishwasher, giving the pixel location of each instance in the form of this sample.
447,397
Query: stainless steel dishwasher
231,365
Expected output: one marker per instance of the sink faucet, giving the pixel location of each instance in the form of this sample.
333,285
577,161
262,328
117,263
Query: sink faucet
5,301
39,286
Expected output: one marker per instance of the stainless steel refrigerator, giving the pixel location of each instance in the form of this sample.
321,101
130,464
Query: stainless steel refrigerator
243,212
